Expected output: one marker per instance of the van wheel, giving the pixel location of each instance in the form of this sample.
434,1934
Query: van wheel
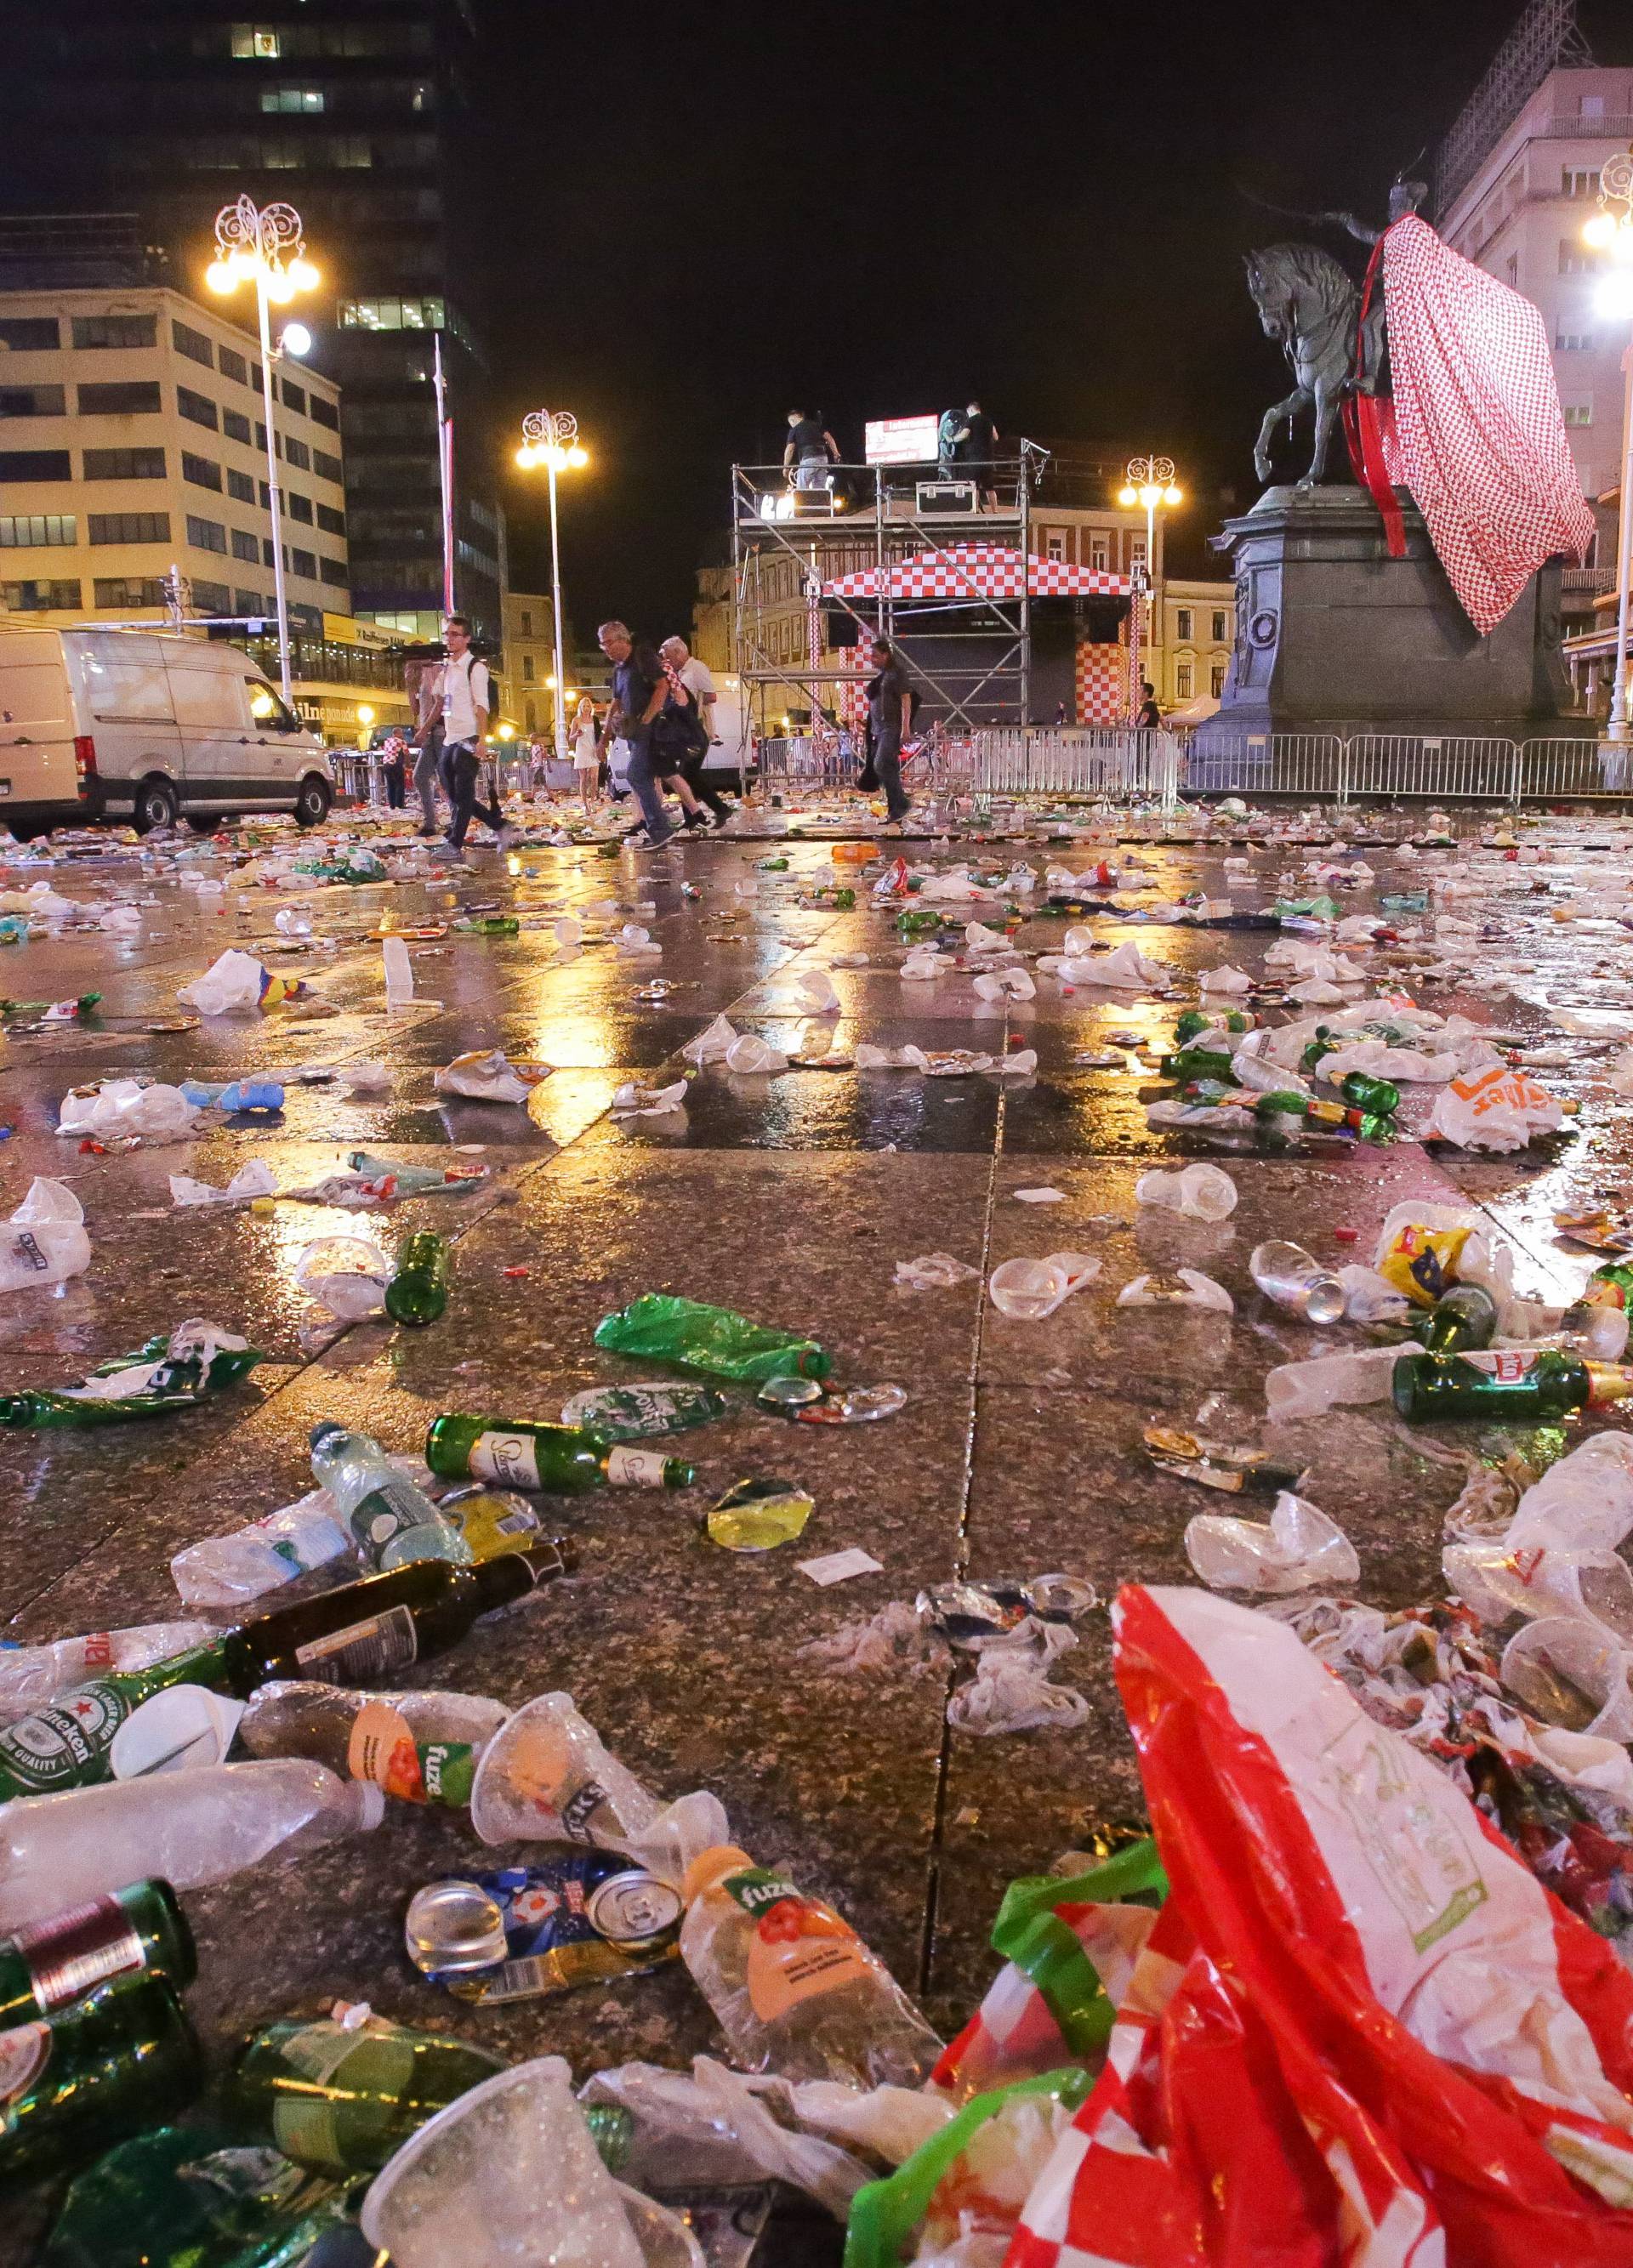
156,806
312,803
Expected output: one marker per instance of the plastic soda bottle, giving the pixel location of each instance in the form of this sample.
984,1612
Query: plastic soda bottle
792,1986
418,1291
421,1747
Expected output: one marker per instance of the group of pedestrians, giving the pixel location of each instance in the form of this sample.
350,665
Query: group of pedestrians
662,710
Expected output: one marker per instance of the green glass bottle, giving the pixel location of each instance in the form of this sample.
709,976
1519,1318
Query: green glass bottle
121,2058
713,1342
1224,1020
1610,1286
1199,1063
1323,1044
1380,1096
490,925
346,2097
1464,1317
1512,1386
527,1453
66,1741
418,1291
191,2197
138,1931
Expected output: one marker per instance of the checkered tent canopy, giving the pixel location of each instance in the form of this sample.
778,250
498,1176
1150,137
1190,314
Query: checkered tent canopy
978,570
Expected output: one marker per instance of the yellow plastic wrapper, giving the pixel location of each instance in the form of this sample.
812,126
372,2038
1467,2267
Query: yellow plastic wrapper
1422,1262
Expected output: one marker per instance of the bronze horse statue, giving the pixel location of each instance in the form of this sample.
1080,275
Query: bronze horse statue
1309,305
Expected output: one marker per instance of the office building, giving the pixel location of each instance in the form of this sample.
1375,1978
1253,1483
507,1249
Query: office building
355,112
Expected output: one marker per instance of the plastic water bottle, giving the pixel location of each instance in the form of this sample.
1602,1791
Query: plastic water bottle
392,1519
399,972
30,1674
188,1828
792,1986
222,1571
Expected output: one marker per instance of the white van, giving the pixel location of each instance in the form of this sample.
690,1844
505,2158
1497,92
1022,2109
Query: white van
127,724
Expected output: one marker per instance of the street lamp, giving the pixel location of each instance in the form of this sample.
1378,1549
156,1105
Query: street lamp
1612,233
265,245
550,438
1148,482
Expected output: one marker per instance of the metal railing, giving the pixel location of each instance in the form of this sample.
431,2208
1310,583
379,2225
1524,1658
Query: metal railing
1441,768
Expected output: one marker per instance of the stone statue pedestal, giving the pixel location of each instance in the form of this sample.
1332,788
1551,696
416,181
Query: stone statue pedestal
1334,636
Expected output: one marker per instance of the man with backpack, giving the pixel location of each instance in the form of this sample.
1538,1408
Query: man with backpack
461,704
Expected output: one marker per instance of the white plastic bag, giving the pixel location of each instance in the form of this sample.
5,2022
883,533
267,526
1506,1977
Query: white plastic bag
1300,1548
1223,980
255,1179
233,981
1498,1108
920,964
46,1241
908,1058
1010,1691
1126,967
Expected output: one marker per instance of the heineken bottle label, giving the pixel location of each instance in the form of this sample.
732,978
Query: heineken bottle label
636,1468
362,1651
383,1749
510,1459
25,2050
62,1744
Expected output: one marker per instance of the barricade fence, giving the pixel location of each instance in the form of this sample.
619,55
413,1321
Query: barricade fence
1441,768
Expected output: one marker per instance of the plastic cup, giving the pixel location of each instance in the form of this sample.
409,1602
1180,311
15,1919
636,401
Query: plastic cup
508,2176
1294,1280
348,1275
1570,1674
1027,1290
1199,1192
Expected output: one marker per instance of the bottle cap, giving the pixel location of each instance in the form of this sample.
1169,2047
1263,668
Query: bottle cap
324,1431
709,1866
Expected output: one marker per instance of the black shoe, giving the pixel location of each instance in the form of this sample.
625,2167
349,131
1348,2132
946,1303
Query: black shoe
695,820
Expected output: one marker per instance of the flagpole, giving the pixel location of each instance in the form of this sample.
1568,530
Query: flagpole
445,468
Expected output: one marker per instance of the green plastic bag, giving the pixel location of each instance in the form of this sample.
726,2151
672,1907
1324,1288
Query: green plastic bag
1030,1933
712,1341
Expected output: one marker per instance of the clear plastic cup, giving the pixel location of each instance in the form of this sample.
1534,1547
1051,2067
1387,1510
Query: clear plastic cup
348,1275
1570,1674
1199,1192
1027,1290
508,2177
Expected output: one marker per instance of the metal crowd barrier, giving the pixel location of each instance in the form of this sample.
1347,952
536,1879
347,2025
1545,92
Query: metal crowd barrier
1442,768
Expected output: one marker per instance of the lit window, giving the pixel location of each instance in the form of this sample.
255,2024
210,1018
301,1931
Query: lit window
297,101
260,43
29,531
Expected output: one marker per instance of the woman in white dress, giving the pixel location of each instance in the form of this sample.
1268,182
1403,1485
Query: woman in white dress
586,762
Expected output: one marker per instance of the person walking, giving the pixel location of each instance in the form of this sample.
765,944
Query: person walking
890,710
639,689
681,664
586,757
810,452
680,740
464,699
421,680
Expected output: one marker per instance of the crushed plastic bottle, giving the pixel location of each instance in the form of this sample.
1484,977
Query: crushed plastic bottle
391,1518
30,1674
223,1571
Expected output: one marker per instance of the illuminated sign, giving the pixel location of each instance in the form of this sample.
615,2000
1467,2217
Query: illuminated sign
902,440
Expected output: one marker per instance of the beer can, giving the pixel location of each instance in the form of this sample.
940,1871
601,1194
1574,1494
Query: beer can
633,1908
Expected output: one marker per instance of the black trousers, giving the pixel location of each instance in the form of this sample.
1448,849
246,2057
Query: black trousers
462,769
702,785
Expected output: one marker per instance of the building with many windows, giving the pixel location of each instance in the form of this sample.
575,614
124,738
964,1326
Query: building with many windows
526,677
356,112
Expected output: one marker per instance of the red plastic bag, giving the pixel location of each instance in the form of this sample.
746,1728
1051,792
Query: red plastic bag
1361,2035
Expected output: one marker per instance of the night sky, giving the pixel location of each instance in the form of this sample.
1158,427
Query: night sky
880,210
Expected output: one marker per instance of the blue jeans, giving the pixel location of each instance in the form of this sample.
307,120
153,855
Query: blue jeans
644,787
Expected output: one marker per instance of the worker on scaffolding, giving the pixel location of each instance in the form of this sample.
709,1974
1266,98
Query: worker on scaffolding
811,449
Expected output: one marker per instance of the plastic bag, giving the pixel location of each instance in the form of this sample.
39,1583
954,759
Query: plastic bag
115,1110
1126,967
1069,1945
1360,2030
1223,980
932,1271
1300,1548
253,1180
46,1241
234,982
1201,1192
1498,1108
489,1075
1010,1691
716,2128
920,965
633,1100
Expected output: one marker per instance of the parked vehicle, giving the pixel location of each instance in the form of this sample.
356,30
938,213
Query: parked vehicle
128,725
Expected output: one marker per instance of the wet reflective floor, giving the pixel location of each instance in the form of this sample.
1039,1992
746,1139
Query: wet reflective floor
791,1196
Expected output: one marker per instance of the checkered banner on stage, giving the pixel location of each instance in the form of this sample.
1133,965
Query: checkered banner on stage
978,570
1477,435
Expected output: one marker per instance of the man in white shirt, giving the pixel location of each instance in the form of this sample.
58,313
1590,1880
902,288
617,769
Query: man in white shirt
461,704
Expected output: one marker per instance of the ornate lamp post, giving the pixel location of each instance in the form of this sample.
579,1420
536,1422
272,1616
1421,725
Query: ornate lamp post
1149,482
1611,232
264,245
550,438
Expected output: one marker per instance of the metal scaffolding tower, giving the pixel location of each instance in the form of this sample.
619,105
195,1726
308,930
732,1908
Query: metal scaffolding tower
971,652
1547,35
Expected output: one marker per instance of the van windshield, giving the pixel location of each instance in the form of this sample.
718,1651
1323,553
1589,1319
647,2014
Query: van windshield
268,711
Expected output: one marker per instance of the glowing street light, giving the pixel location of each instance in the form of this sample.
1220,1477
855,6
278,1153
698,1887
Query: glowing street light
264,245
1148,483
550,438
1612,231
